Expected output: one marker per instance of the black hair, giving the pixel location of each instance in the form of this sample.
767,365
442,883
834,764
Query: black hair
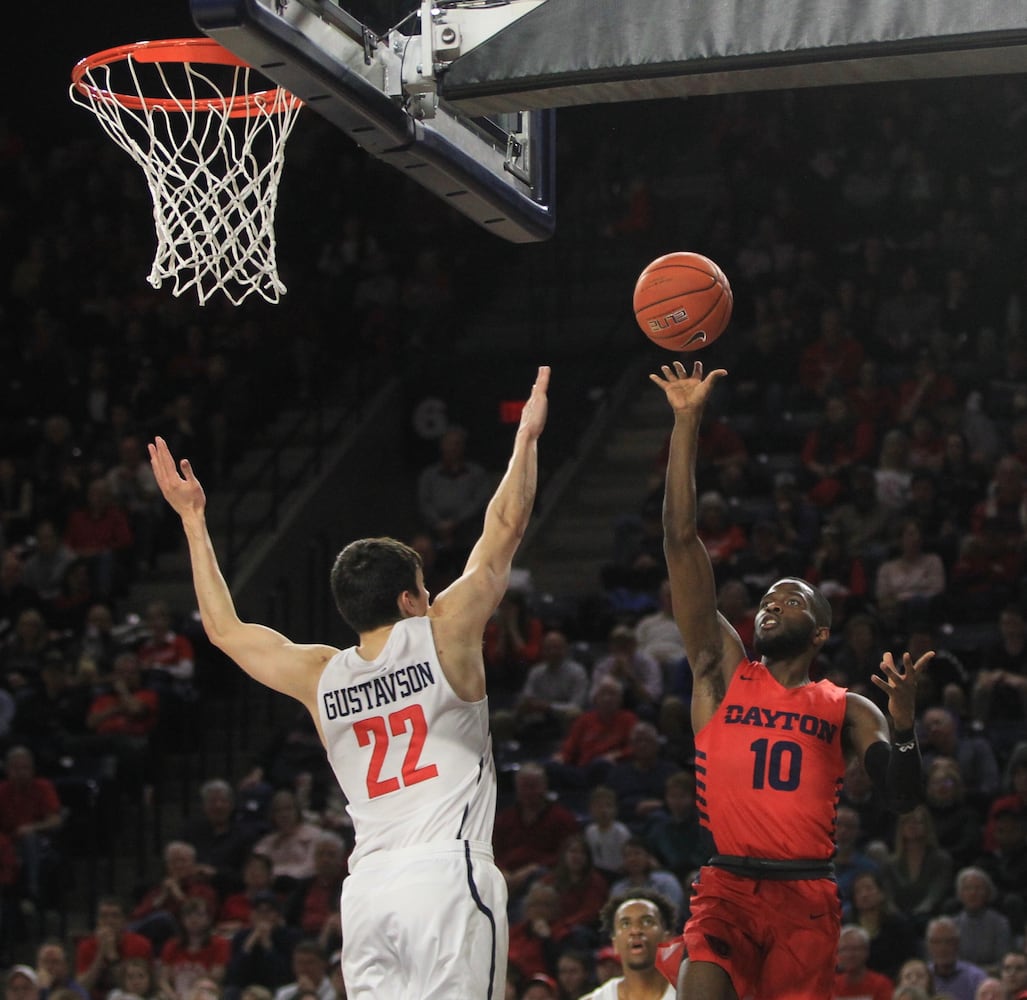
668,911
367,579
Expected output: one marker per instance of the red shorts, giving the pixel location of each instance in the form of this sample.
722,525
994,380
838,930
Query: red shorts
777,940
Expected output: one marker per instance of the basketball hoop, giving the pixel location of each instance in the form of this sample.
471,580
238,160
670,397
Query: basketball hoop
211,147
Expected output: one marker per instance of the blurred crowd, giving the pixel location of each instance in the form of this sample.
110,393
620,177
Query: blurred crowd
871,437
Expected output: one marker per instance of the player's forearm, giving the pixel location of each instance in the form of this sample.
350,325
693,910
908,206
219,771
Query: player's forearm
679,500
897,770
511,505
217,609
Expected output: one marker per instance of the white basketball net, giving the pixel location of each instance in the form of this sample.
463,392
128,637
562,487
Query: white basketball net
212,153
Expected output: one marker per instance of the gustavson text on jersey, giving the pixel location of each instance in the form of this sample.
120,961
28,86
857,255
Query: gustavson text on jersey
379,691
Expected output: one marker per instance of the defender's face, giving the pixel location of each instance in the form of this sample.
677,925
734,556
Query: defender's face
637,932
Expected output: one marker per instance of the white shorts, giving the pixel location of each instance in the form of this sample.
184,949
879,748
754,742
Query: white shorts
425,923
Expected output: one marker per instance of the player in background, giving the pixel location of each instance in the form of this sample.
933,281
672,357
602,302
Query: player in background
638,922
771,748
404,719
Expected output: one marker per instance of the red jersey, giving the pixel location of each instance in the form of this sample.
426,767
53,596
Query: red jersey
769,767
22,803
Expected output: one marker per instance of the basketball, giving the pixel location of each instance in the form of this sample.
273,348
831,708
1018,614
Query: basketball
683,301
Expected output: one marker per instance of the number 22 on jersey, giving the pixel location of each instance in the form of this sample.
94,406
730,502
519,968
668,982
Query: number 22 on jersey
377,732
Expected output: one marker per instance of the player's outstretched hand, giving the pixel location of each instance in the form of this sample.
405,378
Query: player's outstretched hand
901,686
684,391
183,492
536,409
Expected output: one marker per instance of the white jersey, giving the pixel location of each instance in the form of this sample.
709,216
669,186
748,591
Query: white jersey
413,759
608,991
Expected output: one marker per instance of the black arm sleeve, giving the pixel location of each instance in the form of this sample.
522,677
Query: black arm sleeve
895,770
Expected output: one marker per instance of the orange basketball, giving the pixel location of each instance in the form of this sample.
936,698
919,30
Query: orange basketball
683,301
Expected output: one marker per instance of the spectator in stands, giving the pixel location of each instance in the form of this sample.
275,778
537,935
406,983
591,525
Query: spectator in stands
956,821
291,842
15,595
98,955
51,720
831,362
906,317
17,501
122,719
999,697
907,586
261,951
893,473
638,673
675,837
581,889
1014,792
95,646
858,655
798,520
596,739
973,753
639,781
765,559
554,694
44,568
193,952
916,974
237,906
100,533
605,834
953,977
310,973
134,489
23,654
927,387
723,537
986,574
21,983
513,641
532,948
313,906
573,974
528,832
864,522
850,861
657,633
221,838
452,493
1013,974
641,871
891,935
917,873
157,915
839,442
30,814
293,750
1006,863
166,656
53,968
984,933
855,978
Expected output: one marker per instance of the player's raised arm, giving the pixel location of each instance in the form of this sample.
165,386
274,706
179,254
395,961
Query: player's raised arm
712,645
890,753
263,653
471,599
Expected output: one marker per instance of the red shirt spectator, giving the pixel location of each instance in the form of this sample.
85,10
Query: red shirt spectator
27,803
98,954
99,526
529,832
129,709
603,731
